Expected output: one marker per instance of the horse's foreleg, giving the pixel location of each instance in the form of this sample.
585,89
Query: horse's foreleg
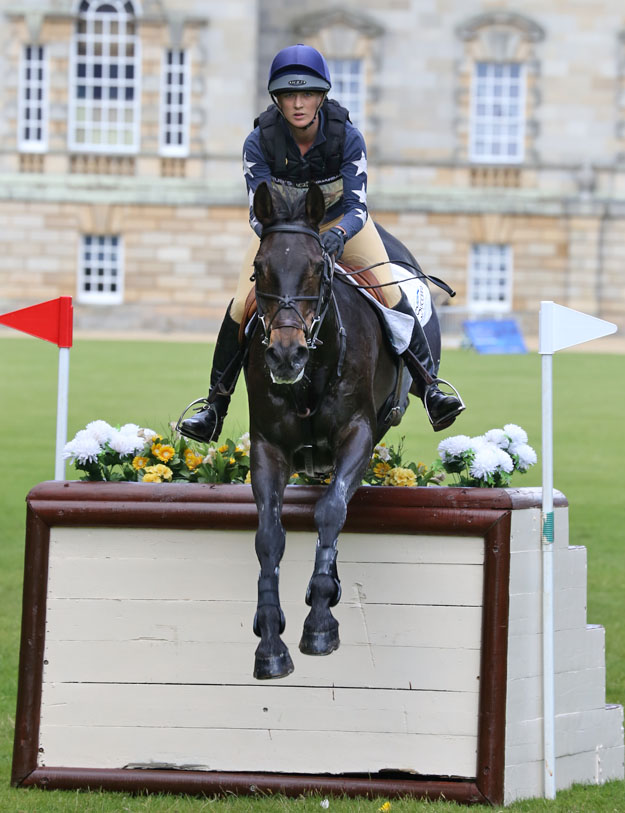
320,635
269,477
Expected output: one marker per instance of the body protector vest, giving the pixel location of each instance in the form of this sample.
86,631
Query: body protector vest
322,163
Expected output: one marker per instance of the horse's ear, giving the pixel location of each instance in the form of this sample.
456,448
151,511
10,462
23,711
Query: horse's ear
263,204
315,205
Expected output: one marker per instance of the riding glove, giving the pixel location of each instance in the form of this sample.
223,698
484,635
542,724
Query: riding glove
333,241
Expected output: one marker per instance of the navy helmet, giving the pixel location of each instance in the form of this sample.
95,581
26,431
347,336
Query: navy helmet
299,67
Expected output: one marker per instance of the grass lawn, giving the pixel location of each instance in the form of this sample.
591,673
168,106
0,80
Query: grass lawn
150,383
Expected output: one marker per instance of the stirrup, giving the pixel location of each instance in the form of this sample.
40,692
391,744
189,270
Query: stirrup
448,419
205,404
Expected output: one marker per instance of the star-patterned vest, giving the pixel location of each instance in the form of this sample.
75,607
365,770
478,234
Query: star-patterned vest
322,163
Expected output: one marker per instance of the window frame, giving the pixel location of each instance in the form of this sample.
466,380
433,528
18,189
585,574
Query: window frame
344,99
132,148
475,305
24,144
487,120
175,150
100,297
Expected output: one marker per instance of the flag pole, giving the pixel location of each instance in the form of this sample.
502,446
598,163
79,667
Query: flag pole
559,327
547,537
61,413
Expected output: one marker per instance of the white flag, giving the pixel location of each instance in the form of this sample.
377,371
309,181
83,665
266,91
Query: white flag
561,327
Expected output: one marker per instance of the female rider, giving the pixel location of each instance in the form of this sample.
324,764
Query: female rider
303,137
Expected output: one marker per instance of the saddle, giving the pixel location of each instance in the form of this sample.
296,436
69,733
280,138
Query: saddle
364,277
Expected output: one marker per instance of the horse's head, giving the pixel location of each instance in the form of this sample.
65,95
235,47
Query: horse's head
292,277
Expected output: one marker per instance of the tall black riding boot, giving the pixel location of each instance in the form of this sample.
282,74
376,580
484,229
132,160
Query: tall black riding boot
206,424
442,409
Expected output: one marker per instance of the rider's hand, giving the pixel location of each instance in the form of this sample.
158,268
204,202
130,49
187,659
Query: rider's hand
333,241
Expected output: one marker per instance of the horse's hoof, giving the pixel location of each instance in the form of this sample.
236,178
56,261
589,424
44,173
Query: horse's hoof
273,666
320,643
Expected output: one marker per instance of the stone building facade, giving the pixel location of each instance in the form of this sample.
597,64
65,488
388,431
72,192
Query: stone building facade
495,130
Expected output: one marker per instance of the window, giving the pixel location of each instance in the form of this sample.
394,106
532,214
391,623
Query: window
498,112
33,100
100,273
348,87
490,277
104,114
174,131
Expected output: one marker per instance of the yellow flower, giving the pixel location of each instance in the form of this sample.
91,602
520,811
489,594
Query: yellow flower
139,462
223,449
232,461
156,474
162,452
381,469
248,477
192,459
400,477
385,807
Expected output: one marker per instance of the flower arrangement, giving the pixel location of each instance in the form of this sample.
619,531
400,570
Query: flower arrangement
131,453
488,460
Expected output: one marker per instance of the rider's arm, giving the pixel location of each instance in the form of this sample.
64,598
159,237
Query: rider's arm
255,170
354,174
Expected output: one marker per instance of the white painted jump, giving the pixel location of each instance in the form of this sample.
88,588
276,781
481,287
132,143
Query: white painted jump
145,653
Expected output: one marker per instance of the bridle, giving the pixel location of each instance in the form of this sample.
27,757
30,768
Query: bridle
288,303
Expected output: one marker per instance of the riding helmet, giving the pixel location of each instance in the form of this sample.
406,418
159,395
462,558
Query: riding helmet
299,67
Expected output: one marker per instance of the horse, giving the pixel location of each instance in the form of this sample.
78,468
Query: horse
323,387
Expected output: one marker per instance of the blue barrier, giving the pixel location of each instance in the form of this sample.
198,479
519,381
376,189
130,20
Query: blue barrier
495,336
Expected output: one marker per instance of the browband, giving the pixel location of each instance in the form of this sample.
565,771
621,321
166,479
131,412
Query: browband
291,227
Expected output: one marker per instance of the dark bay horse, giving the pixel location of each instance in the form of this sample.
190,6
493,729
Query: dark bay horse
321,379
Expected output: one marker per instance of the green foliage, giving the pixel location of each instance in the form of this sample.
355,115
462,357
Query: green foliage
152,382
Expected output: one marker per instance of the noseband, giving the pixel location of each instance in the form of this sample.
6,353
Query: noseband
289,302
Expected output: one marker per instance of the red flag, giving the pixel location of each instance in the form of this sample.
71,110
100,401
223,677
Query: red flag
52,320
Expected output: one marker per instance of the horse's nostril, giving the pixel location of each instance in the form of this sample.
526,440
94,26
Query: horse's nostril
300,357
271,355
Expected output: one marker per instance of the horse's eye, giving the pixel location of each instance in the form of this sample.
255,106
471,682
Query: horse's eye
258,271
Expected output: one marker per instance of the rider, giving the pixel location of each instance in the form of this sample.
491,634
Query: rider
304,136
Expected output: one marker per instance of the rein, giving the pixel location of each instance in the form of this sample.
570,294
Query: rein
323,298
420,275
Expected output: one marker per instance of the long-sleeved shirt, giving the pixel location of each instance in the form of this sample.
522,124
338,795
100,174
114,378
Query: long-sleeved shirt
345,196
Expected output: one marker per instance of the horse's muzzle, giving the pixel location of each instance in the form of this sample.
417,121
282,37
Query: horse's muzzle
286,359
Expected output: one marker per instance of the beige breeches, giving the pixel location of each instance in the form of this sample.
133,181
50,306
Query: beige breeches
363,249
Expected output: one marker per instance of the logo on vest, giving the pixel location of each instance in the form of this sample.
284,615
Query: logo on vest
297,82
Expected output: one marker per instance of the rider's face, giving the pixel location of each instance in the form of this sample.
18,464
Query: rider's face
299,107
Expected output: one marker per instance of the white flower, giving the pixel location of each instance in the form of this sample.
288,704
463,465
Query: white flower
382,452
125,443
525,455
485,463
454,447
498,437
129,429
148,434
504,461
84,447
100,430
515,433
244,442
324,803
210,456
